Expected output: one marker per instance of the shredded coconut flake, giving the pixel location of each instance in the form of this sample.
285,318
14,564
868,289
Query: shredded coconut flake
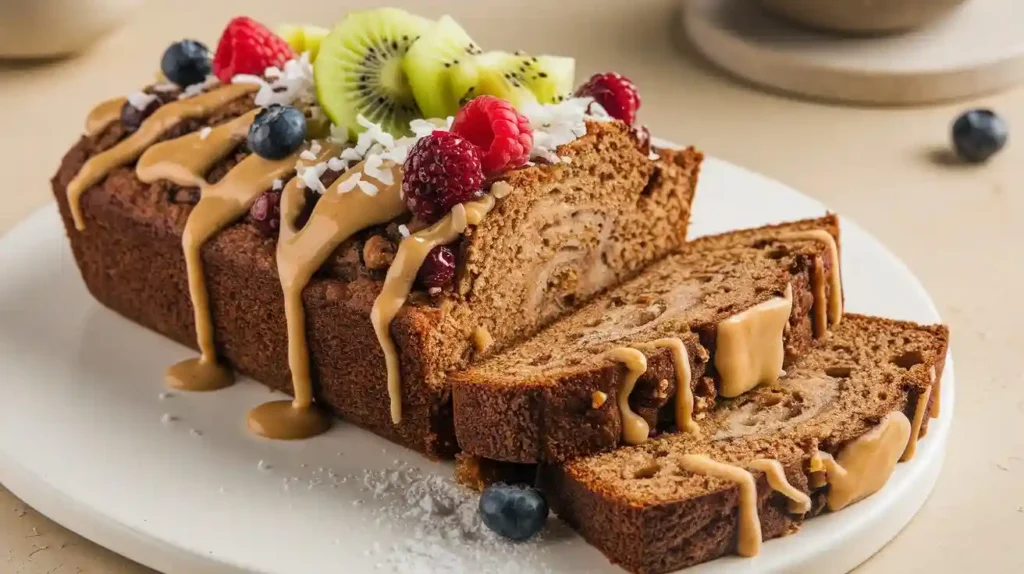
310,175
555,125
404,230
165,87
277,185
141,100
196,89
205,132
291,85
337,164
350,182
367,188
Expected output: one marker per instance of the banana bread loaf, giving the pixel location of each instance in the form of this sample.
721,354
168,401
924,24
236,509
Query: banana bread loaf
560,234
562,394
827,435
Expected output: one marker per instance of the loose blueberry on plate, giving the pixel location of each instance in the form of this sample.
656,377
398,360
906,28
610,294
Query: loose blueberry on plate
277,131
978,135
514,511
186,62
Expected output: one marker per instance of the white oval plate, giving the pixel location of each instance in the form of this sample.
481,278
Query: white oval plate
82,438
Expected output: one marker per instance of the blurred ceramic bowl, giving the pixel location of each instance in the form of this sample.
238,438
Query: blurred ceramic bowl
862,17
52,28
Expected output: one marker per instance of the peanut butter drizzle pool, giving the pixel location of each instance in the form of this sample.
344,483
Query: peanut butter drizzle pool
300,253
398,283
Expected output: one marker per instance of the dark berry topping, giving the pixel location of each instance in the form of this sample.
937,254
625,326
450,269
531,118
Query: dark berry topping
132,117
513,511
186,62
442,171
265,213
616,94
438,268
277,131
979,134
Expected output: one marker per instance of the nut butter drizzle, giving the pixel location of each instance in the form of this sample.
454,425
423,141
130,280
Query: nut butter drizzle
412,251
104,114
219,205
865,464
749,529
835,297
749,347
799,502
684,393
920,412
300,253
635,429
185,160
128,149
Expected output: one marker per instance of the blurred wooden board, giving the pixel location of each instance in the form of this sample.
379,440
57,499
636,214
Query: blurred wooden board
977,49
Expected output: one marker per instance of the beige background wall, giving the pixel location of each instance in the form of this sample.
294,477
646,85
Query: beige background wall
958,228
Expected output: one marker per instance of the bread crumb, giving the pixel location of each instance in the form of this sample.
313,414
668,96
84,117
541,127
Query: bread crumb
500,189
598,399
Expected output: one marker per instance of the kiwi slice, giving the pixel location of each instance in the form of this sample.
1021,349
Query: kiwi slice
440,68
303,38
359,70
495,77
550,78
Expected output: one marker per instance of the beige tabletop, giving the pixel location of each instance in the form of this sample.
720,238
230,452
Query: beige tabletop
960,229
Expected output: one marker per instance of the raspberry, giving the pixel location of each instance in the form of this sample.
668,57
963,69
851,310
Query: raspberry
265,213
616,94
438,268
503,135
442,171
248,47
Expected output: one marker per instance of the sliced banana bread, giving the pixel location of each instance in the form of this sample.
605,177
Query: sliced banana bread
609,372
563,233
827,435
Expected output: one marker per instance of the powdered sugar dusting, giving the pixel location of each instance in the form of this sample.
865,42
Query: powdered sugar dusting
447,534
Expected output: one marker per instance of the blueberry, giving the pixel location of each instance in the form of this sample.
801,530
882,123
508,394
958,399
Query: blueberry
513,511
277,131
186,62
978,135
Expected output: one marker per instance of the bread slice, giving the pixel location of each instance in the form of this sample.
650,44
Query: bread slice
565,232
555,397
859,398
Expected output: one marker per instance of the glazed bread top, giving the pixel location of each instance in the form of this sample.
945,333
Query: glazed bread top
555,235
